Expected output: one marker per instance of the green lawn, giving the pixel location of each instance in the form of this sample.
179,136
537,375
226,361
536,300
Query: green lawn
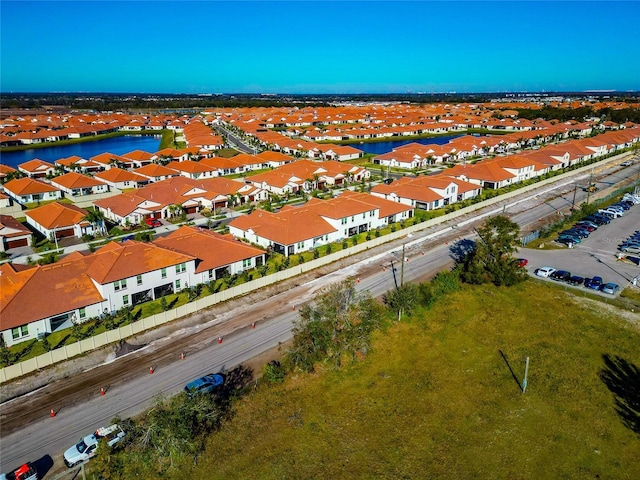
436,399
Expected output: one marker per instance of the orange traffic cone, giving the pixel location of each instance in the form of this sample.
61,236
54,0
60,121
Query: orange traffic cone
101,390
219,339
53,414
253,325
150,370
182,356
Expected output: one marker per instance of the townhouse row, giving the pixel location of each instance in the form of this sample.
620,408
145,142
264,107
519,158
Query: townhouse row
81,286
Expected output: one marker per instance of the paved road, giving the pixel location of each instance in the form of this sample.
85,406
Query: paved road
131,389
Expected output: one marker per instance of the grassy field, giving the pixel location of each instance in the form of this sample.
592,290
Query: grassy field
440,397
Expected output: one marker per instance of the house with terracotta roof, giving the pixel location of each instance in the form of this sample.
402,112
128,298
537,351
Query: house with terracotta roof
193,170
275,159
6,170
121,179
57,220
128,273
80,287
156,199
223,166
216,255
13,234
485,174
71,296
139,158
27,190
37,168
298,229
110,160
74,184
427,192
155,172
5,200
78,164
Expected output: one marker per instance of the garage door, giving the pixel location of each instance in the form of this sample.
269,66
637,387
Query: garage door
22,242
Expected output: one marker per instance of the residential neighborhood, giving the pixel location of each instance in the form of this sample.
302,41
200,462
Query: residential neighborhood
130,189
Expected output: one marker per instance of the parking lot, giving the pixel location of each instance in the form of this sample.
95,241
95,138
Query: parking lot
596,255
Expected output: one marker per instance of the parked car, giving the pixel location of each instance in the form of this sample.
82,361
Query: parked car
586,226
544,272
560,275
593,283
578,232
575,280
610,288
626,163
622,205
598,220
630,249
86,447
611,212
567,239
152,222
522,262
25,472
206,384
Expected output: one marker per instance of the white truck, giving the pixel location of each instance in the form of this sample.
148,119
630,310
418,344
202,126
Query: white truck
25,472
86,447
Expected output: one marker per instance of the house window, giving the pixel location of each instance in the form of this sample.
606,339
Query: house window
18,332
246,263
352,219
125,299
139,279
210,274
163,273
83,312
120,284
363,215
300,245
344,221
178,284
182,267
372,213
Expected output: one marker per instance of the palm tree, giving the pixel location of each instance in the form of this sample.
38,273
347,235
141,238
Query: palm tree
96,218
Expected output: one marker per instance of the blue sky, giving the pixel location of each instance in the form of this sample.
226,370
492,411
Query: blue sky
318,46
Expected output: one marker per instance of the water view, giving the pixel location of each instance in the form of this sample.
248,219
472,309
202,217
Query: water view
379,148
115,145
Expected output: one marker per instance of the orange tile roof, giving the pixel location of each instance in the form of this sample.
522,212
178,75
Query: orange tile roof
28,186
119,175
57,215
76,180
116,261
66,284
212,249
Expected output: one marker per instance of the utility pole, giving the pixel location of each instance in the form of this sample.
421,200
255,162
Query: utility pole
526,373
402,268
589,187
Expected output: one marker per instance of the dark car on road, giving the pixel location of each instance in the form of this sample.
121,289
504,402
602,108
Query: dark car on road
560,275
206,384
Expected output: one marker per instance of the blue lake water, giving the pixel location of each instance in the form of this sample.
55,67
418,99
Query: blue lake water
115,145
379,148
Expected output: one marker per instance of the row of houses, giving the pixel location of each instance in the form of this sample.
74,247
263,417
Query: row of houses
82,286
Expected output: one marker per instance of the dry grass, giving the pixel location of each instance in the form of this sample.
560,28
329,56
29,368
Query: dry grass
437,400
